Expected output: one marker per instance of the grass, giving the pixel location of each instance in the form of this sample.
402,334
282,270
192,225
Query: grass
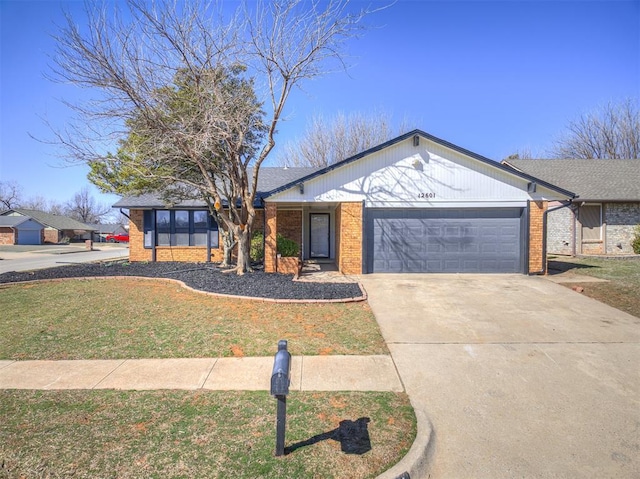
115,319
204,434
622,289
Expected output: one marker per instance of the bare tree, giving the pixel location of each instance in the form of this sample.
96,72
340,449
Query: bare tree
40,203
135,60
10,195
84,208
611,132
327,141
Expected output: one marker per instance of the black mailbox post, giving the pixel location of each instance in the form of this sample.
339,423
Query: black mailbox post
280,380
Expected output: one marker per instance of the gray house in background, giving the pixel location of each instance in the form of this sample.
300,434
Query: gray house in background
20,230
602,218
55,228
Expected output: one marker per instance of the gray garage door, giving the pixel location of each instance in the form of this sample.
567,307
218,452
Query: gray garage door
444,240
28,236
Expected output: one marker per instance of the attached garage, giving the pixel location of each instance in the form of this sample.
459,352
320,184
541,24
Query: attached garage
452,240
20,230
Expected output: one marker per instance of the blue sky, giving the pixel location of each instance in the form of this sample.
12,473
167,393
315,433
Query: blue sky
490,76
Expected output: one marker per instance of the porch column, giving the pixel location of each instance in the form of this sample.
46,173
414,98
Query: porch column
537,257
270,231
350,217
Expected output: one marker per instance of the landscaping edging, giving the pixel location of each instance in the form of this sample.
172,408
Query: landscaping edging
361,298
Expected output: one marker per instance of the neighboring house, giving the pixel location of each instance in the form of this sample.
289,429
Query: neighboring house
103,230
413,204
56,228
602,218
20,230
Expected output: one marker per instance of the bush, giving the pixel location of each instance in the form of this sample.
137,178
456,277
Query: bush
257,246
287,247
635,243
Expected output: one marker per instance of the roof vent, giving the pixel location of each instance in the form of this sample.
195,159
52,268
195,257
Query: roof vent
416,140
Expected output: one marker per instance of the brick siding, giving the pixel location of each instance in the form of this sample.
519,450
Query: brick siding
7,237
290,225
536,214
560,231
349,238
621,220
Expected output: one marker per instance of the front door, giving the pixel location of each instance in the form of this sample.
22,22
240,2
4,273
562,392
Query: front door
319,231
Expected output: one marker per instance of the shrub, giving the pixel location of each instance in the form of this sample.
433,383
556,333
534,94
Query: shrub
257,246
635,243
286,247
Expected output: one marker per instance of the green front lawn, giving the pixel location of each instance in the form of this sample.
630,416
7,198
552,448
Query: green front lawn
622,289
114,319
203,434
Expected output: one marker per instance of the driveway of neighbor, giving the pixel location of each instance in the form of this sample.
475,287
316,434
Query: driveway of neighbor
518,376
27,258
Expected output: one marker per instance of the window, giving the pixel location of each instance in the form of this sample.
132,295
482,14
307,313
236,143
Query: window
591,221
179,228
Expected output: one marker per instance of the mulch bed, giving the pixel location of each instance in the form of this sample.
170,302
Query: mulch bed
200,276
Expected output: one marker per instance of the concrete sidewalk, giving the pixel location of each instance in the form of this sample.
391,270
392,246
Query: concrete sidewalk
308,373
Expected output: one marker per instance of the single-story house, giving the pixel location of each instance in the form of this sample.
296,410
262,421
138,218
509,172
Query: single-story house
55,228
415,203
602,218
20,230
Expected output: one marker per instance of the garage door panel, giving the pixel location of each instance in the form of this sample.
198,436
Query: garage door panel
452,240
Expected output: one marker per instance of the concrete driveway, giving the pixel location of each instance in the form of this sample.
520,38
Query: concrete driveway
518,376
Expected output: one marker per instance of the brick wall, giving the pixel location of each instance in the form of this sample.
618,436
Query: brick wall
51,235
6,236
349,228
137,252
620,219
560,231
536,213
290,225
337,220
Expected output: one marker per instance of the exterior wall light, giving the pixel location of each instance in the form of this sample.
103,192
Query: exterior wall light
301,186
416,140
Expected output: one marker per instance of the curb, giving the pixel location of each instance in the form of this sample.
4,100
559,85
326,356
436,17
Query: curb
415,465
356,299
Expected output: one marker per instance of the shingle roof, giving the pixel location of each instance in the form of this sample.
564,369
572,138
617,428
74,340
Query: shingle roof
12,221
270,178
54,221
591,180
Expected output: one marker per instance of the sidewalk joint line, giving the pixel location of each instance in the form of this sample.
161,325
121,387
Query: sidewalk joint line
215,361
109,374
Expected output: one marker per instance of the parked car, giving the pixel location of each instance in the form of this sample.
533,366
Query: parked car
117,238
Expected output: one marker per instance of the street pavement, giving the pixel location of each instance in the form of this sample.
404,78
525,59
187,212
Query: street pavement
51,256
513,376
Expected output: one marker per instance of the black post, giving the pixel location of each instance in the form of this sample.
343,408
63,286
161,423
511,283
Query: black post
281,422
280,380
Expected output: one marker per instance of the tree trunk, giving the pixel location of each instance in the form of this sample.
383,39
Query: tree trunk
228,243
244,251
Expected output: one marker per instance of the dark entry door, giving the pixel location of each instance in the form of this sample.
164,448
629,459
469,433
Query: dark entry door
319,230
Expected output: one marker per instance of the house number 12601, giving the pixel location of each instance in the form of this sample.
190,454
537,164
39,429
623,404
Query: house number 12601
426,195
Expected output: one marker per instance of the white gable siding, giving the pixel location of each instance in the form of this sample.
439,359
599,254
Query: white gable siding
428,175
